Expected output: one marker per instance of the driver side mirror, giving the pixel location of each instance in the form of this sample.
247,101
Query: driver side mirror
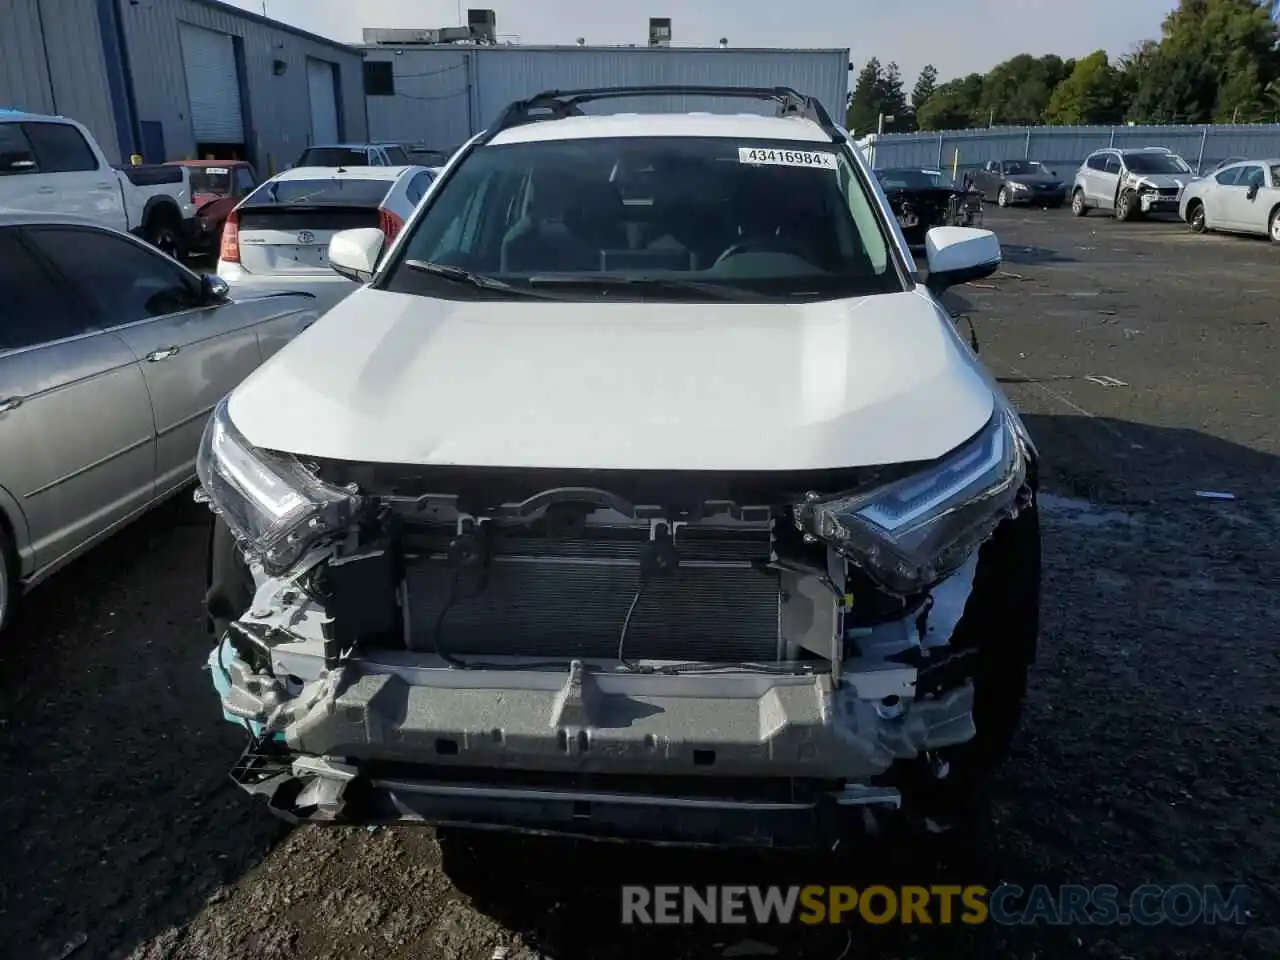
1253,191
213,289
354,253
958,255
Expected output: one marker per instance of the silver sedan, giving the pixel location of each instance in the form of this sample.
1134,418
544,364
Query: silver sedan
1241,197
112,355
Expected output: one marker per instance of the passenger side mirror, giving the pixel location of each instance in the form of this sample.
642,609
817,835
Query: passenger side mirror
213,289
958,255
354,253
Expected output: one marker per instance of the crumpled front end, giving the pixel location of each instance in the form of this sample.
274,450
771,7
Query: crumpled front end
659,659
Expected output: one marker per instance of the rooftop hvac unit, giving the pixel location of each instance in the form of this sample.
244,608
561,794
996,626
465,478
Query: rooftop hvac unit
483,25
659,31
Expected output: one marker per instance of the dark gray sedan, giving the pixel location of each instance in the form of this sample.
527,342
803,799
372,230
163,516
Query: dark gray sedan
1010,182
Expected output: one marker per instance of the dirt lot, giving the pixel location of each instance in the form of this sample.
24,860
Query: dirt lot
1148,756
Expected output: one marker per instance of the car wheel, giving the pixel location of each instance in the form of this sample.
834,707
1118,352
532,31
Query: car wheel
1078,207
8,591
1002,198
162,234
1195,217
1274,229
1126,206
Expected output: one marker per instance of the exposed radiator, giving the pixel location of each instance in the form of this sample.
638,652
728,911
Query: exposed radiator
569,597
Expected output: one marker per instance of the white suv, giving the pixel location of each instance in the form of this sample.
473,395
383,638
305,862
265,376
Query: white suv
643,491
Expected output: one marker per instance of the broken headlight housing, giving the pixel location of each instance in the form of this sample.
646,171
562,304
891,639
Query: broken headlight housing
911,534
274,505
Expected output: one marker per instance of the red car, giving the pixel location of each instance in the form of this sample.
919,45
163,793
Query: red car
216,187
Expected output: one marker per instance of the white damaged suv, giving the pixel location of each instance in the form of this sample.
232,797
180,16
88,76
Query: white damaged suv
644,491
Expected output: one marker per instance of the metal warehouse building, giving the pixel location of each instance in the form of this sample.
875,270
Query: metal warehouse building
439,95
174,79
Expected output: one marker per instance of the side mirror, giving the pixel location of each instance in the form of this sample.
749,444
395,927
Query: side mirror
1253,191
354,253
959,255
214,289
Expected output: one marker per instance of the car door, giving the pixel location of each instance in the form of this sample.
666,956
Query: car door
1217,198
1248,207
1104,181
77,438
73,177
193,352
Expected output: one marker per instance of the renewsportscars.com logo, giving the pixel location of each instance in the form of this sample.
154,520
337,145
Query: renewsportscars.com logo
1069,904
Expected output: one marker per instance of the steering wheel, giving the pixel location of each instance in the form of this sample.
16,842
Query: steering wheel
765,245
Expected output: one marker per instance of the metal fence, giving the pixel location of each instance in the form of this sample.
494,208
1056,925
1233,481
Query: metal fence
1064,148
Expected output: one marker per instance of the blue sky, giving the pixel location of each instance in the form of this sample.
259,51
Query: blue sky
957,36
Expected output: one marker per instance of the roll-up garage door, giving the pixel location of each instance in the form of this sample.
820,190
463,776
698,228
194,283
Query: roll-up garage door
213,85
324,103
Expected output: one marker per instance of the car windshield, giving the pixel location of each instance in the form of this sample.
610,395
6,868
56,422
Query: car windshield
1155,163
332,191
1019,167
332,157
215,180
641,217
913,179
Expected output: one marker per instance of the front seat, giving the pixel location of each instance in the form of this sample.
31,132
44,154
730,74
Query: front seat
542,240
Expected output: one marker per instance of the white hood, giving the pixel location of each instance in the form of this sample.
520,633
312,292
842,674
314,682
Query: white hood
396,378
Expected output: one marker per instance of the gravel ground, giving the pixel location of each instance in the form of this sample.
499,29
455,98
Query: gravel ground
1148,753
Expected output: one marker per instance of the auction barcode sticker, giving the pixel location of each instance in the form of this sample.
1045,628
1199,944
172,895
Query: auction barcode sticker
817,159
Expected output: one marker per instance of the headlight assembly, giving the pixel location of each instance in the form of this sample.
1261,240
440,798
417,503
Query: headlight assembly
273,504
1018,186
913,533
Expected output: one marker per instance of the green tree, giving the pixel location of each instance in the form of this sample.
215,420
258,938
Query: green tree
893,101
1092,94
926,83
953,105
1017,91
864,104
1214,60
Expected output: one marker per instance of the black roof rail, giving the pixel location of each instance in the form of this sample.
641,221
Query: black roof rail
557,104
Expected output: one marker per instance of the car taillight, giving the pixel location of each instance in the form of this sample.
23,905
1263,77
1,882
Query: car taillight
390,223
230,249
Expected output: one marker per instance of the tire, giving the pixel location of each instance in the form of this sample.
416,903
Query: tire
1195,217
1273,226
1078,207
164,233
1002,198
229,582
1126,207
8,583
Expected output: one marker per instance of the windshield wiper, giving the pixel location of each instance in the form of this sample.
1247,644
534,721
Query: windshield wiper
716,290
478,280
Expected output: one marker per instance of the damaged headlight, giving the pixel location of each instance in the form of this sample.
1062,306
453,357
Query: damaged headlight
913,533
274,505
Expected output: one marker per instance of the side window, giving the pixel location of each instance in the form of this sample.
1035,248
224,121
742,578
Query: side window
15,151
418,187
1096,162
1252,177
126,281
33,309
244,182
1111,163
1228,176
60,148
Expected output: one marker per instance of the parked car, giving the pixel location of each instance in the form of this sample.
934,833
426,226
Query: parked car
354,155
922,199
111,357
216,187
1220,164
643,490
1010,182
279,234
1130,182
52,165
1240,198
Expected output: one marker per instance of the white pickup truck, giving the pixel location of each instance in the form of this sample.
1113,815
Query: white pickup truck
54,165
